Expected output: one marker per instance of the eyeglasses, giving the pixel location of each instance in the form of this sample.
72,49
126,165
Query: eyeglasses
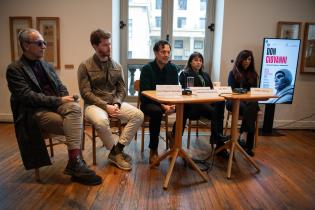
39,43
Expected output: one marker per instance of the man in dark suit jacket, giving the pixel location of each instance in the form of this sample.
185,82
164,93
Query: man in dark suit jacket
40,102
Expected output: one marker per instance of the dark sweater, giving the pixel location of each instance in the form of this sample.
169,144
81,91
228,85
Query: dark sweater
152,75
197,81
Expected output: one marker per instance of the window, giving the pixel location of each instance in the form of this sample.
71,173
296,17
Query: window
178,57
163,19
181,22
158,4
129,54
158,22
198,44
179,44
129,28
182,4
203,5
202,23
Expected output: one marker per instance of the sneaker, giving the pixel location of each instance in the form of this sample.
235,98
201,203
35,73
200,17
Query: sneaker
154,156
127,157
79,172
171,139
119,160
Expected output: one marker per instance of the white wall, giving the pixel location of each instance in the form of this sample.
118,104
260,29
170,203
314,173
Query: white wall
77,19
245,24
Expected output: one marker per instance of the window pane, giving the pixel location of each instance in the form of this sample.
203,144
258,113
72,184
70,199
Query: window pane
144,27
158,22
158,4
182,4
178,44
203,5
198,44
189,21
202,23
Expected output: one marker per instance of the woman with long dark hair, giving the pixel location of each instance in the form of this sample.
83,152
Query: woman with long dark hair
212,111
244,75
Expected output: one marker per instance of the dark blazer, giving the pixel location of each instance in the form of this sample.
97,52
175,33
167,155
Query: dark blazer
26,99
197,82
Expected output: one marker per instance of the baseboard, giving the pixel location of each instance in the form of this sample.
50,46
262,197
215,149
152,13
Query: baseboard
6,117
292,124
288,124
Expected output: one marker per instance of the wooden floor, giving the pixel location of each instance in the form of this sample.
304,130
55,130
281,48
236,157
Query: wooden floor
286,179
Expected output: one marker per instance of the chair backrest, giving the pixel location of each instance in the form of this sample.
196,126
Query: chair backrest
136,87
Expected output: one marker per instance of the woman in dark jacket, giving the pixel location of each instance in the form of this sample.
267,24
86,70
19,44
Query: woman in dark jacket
244,75
211,111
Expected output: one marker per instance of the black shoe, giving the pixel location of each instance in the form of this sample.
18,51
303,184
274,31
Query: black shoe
223,138
219,139
241,142
223,154
80,172
88,180
78,167
250,152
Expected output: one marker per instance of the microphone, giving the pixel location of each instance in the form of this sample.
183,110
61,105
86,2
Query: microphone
75,97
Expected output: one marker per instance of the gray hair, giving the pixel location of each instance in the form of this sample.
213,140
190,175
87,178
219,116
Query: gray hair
24,36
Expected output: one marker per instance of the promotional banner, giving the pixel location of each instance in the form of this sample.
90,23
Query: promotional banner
279,67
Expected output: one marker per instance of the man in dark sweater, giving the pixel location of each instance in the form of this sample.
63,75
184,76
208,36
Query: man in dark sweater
40,102
157,72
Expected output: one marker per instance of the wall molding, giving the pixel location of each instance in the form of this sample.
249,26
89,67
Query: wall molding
6,117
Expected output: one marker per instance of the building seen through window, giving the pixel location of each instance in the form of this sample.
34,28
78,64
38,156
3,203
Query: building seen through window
147,23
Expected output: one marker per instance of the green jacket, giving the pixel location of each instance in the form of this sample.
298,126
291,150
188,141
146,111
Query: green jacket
101,86
151,75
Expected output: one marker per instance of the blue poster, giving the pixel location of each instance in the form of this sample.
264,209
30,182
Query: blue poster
279,67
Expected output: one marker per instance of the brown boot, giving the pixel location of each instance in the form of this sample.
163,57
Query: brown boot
153,156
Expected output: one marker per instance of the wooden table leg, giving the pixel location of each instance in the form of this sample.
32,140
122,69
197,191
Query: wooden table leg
243,152
177,150
192,163
233,144
170,168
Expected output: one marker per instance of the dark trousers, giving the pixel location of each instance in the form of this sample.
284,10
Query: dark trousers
155,112
249,112
213,112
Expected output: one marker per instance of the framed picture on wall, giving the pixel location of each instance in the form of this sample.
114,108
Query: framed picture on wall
17,24
50,29
308,53
289,30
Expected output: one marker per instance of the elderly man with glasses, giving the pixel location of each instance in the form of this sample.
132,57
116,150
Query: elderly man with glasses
40,102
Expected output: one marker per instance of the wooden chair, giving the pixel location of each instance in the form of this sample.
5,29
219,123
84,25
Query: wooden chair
240,118
196,125
146,120
114,123
51,143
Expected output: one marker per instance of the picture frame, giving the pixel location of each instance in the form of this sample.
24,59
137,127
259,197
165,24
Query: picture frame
17,23
49,27
289,30
308,49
